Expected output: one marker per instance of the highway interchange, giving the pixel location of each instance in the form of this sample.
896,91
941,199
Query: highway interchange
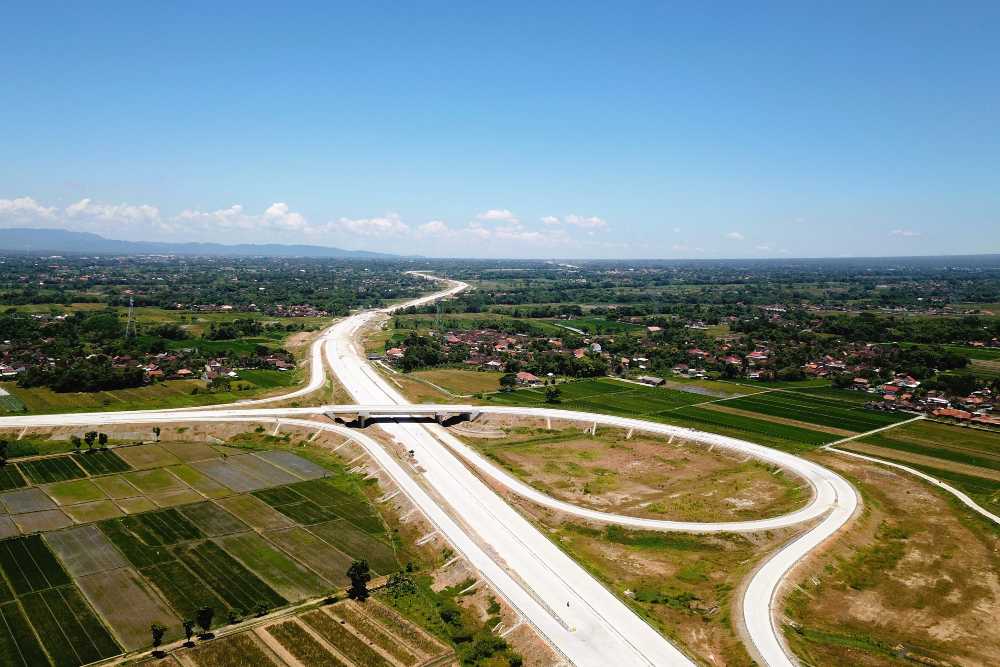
580,618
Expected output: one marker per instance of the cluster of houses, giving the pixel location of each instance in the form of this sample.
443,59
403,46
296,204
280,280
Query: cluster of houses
276,310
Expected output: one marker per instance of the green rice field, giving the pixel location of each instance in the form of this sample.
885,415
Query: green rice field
99,545
810,405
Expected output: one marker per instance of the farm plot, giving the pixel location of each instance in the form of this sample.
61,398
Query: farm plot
189,451
11,478
237,586
116,487
815,410
212,520
344,502
68,628
125,602
90,512
700,418
256,513
18,645
27,500
232,474
56,469
102,462
200,482
327,561
156,480
346,642
297,465
303,646
30,566
359,544
181,589
240,650
147,456
295,506
286,576
84,550
637,402
91,589
374,633
74,491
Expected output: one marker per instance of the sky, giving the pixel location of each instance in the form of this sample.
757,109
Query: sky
539,130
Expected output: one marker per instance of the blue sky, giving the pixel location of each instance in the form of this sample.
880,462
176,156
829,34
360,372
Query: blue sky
523,130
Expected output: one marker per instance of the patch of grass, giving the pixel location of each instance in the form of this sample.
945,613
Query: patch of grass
872,562
402,628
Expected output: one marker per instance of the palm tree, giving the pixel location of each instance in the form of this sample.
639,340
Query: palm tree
360,574
158,631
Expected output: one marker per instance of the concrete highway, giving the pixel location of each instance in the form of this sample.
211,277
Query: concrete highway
583,620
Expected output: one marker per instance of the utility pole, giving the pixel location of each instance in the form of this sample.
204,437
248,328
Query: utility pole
130,325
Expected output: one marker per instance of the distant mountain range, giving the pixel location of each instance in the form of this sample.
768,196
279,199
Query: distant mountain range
62,241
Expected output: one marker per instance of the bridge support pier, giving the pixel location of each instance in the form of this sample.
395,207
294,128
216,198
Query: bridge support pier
628,436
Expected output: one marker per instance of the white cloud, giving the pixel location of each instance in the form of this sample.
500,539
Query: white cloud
735,236
585,222
278,215
907,233
24,209
763,247
121,213
592,222
677,230
434,228
388,225
497,215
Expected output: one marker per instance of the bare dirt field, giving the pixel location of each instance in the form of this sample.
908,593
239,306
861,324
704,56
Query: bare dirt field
685,585
642,476
916,578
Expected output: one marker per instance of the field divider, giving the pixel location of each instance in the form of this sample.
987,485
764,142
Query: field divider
831,445
963,498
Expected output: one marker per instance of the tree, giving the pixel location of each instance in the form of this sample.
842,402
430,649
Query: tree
89,438
102,439
204,616
76,442
552,394
158,631
360,574
508,382
401,584
156,433
188,629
